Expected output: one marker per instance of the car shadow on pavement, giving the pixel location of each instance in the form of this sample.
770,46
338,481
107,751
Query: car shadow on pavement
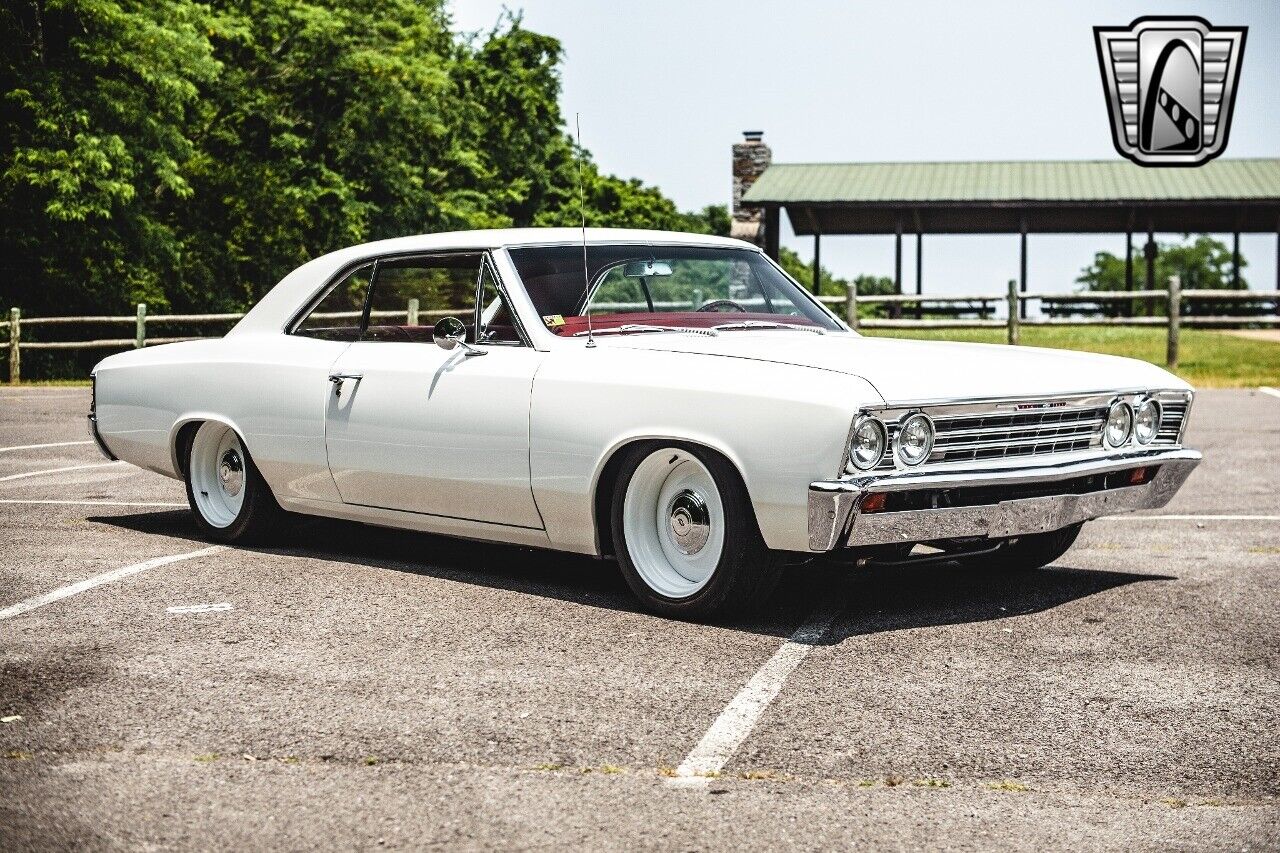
870,600
884,599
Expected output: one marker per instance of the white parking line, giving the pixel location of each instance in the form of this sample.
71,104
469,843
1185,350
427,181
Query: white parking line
199,608
42,446
92,503
26,474
1189,518
98,580
740,716
1272,391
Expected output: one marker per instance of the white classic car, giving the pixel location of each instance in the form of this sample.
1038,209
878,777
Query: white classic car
680,404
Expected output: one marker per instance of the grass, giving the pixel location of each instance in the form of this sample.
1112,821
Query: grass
1207,359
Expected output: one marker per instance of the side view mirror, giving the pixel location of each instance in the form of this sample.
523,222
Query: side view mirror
449,334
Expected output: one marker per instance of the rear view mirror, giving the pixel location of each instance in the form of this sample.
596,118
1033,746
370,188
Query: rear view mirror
646,269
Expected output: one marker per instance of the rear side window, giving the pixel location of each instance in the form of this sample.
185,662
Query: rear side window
337,316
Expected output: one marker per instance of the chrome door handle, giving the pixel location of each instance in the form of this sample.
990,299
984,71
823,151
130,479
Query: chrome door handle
337,379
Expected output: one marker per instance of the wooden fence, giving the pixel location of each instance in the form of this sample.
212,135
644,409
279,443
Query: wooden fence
848,304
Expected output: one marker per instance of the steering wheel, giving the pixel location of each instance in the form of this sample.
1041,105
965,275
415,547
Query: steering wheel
717,304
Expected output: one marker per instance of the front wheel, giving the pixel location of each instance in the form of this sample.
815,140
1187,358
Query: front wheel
686,535
230,500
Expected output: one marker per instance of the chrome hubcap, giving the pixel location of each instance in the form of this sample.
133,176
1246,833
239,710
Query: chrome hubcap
231,472
690,522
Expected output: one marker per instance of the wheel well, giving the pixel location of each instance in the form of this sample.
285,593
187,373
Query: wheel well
603,498
182,445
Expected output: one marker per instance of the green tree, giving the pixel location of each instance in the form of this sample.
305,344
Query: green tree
1202,264
190,155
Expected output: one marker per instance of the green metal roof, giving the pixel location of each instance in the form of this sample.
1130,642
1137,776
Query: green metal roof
1064,181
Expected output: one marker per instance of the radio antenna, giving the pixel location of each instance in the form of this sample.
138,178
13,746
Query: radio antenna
582,209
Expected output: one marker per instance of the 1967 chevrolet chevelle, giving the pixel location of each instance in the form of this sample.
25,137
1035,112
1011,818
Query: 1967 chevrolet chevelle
680,405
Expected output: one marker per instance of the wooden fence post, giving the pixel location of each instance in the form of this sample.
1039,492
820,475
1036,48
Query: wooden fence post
140,336
15,349
851,304
1175,318
412,314
1013,313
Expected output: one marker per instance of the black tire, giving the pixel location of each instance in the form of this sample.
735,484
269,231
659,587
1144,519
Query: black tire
259,518
1027,552
747,570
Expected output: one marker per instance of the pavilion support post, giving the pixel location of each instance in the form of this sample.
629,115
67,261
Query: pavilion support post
1013,313
1128,268
1022,268
817,264
1235,260
897,259
919,274
1149,251
771,227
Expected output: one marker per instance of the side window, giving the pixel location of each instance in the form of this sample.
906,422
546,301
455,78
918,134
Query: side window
496,323
411,294
337,315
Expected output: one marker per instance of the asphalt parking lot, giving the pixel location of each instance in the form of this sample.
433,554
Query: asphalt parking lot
370,689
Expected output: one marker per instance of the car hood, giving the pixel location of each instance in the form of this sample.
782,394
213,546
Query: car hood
904,370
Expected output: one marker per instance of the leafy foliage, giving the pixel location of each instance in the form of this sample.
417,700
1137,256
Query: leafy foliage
1203,264
188,155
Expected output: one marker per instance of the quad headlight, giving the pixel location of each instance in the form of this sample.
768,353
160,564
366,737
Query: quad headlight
915,439
1119,424
1146,421
866,446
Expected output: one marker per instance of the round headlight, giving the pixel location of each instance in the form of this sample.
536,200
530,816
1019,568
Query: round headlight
866,448
915,440
1119,424
1146,421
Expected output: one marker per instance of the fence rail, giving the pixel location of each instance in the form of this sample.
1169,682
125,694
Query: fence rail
1015,302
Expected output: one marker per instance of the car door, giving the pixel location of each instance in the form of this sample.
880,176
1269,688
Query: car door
414,427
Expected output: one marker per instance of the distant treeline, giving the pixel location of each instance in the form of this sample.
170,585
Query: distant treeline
188,154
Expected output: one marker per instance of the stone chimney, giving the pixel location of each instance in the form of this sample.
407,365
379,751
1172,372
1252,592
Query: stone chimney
750,158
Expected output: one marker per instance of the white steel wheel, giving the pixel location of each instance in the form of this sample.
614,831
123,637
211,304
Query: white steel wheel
218,474
673,521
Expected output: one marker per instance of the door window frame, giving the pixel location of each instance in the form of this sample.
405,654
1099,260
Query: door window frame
486,260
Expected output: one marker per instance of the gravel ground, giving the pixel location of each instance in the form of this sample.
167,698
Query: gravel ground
373,689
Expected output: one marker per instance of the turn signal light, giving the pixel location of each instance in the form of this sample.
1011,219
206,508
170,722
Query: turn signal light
874,502
1138,476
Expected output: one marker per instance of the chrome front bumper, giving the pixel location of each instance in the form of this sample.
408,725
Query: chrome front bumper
835,519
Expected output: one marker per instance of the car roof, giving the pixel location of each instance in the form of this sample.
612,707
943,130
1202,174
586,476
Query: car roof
494,238
299,286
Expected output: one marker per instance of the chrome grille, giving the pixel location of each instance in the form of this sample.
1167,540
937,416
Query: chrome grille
1172,414
1011,429
999,436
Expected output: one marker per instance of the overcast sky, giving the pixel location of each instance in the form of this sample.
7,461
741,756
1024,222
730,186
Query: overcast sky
666,86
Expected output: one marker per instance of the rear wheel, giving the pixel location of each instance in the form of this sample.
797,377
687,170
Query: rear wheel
1028,552
229,498
686,535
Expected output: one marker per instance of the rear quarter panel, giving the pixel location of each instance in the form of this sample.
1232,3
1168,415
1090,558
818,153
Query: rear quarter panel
271,388
782,426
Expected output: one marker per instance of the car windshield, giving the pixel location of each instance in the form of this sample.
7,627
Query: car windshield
639,289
